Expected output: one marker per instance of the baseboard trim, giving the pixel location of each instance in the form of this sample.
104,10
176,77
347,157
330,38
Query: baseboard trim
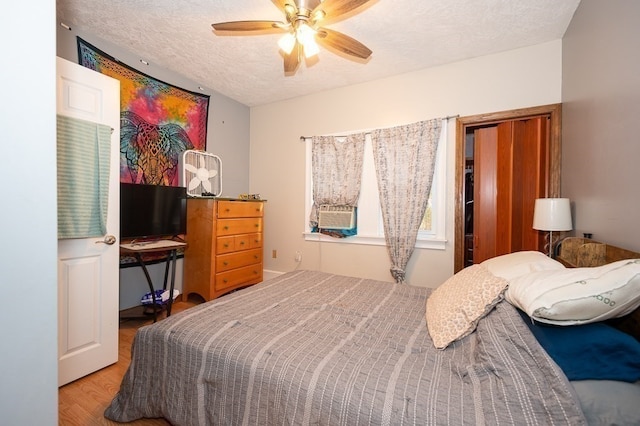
268,274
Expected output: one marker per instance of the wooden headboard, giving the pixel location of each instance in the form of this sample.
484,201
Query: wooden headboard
583,252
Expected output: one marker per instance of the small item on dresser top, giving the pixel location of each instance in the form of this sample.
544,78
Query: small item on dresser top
249,196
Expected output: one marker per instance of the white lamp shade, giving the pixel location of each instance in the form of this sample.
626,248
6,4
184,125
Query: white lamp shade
287,42
552,214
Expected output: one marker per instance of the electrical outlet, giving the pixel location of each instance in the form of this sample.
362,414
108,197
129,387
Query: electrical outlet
298,257
274,254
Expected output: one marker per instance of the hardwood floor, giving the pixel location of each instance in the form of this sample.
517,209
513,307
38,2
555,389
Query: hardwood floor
83,401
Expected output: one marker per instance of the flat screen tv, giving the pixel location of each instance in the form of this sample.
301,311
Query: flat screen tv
152,211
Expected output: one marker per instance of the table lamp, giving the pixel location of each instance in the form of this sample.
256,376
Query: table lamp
552,214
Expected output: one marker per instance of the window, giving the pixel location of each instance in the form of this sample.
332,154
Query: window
369,219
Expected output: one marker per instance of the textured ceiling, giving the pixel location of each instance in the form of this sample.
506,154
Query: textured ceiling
404,36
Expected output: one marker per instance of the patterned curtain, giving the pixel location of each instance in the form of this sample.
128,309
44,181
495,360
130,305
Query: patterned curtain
336,164
404,157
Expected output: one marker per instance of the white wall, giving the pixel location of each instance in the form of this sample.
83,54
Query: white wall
601,95
515,79
29,357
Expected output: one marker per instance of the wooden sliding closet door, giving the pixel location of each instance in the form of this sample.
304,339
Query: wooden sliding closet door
530,180
510,163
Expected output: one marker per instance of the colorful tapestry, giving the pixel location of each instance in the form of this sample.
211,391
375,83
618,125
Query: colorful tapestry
158,121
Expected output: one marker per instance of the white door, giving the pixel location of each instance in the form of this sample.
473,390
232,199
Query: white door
88,274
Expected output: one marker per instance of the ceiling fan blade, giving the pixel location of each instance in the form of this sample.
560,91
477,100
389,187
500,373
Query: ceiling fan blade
335,8
275,26
292,60
280,3
343,43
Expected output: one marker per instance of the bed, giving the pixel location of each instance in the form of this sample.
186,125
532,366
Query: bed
310,347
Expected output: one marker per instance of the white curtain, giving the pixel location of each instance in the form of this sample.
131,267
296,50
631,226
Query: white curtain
336,171
405,158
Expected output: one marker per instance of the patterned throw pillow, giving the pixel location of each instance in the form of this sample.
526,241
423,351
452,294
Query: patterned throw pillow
454,308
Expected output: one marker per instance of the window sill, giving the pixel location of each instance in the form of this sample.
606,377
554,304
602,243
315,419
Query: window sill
431,244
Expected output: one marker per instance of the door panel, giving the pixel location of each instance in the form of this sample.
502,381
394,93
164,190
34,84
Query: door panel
533,134
504,192
88,273
510,172
485,189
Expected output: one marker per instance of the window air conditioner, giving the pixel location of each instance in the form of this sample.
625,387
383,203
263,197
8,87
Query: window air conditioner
337,217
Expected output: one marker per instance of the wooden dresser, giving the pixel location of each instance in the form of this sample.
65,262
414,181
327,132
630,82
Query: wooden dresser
224,245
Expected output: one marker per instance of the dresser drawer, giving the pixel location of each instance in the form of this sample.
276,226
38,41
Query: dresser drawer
255,240
240,209
247,275
225,262
239,226
233,243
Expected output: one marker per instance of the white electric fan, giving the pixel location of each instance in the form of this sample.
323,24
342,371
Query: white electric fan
202,173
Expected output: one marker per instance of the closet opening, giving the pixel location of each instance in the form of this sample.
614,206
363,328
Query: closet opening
504,161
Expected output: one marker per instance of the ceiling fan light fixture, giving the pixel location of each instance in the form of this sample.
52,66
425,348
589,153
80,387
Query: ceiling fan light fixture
287,42
318,15
290,9
311,49
305,34
302,32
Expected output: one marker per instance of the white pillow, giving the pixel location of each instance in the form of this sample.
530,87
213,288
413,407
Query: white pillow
512,265
578,295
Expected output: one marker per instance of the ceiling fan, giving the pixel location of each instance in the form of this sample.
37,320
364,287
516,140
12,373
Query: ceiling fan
303,30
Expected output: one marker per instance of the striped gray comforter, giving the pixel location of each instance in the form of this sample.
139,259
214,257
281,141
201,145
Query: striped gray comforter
321,349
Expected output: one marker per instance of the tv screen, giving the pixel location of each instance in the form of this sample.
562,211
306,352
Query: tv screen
152,211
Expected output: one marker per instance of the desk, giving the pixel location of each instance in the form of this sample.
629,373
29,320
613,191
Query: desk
169,246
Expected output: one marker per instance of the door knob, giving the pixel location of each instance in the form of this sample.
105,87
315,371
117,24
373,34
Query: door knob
108,240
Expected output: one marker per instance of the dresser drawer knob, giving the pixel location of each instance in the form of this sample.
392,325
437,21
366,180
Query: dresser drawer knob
241,243
225,281
227,210
225,263
257,225
226,245
226,228
255,256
